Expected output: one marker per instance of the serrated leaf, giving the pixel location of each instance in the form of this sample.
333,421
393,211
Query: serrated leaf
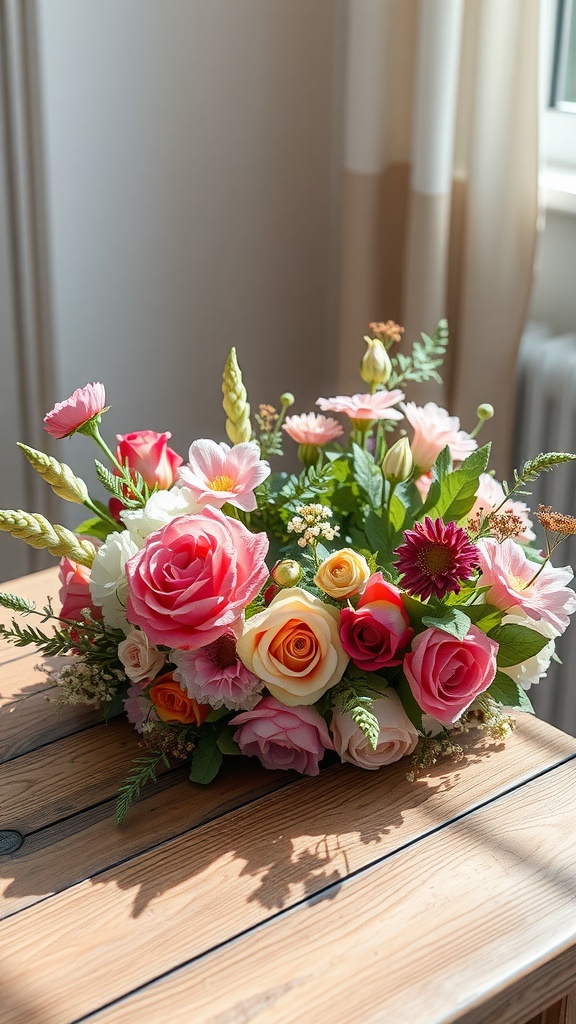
458,489
443,464
517,643
484,616
367,475
507,693
453,621
206,759
375,531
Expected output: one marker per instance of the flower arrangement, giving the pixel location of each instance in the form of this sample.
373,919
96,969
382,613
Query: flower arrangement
377,604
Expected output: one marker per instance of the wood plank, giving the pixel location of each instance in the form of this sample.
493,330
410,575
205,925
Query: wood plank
19,678
453,929
27,724
202,888
38,586
86,844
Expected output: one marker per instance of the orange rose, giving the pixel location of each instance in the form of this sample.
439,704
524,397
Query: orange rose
173,704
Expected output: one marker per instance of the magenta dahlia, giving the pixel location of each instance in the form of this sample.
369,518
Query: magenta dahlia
434,557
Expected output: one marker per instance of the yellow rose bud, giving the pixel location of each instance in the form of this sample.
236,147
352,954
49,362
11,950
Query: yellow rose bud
398,461
286,573
375,367
342,574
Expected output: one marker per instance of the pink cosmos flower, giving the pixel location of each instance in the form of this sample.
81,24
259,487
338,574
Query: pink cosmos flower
376,633
433,430
446,674
217,474
74,593
68,416
490,495
365,407
434,557
147,453
215,675
192,580
312,428
510,576
283,737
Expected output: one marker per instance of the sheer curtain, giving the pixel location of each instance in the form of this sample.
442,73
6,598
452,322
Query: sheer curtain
440,197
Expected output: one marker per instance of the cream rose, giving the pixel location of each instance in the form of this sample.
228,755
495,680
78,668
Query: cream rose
397,734
141,660
108,584
294,647
342,574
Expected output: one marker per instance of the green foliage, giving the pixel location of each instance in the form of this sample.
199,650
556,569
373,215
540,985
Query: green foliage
143,770
508,694
458,489
206,759
355,697
368,476
427,355
411,706
450,620
94,527
543,463
517,643
17,604
130,488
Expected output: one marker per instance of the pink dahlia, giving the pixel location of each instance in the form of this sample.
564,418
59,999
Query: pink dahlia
513,583
215,675
434,557
312,428
433,430
365,407
67,417
217,474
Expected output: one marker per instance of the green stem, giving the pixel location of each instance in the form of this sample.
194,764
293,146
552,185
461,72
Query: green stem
386,507
102,515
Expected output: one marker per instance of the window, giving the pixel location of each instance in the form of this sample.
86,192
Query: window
558,104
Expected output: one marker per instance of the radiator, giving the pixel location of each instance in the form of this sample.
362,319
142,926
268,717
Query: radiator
546,422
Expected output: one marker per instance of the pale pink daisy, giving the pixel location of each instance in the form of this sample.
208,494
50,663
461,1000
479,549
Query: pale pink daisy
490,495
365,407
312,428
215,675
217,474
514,584
433,430
68,416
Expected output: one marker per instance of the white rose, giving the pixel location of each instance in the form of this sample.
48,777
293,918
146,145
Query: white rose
160,508
140,658
533,669
397,734
108,584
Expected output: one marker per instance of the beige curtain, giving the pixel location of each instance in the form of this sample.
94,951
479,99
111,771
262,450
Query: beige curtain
439,195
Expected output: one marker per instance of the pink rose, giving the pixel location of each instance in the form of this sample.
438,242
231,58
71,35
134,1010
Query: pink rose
378,631
192,580
446,674
397,736
283,737
74,593
68,416
147,453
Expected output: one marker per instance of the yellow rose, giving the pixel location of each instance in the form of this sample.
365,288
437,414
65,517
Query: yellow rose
294,646
342,574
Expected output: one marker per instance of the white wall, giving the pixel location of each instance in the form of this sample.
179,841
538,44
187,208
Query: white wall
190,151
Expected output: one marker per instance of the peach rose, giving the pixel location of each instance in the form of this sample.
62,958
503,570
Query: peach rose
173,704
294,647
397,734
342,574
141,660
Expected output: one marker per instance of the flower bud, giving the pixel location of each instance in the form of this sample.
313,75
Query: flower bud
375,367
398,461
287,573
287,399
485,411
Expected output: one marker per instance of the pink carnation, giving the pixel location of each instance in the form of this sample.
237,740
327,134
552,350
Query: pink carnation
365,407
215,675
283,737
67,417
433,430
217,474
312,428
513,583
192,580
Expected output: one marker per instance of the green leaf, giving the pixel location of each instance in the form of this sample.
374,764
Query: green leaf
484,616
143,770
458,490
507,693
17,604
443,464
409,702
541,464
367,475
397,513
375,531
452,620
417,610
412,500
93,528
206,759
517,643
226,744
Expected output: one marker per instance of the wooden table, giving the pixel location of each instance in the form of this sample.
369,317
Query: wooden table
352,897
